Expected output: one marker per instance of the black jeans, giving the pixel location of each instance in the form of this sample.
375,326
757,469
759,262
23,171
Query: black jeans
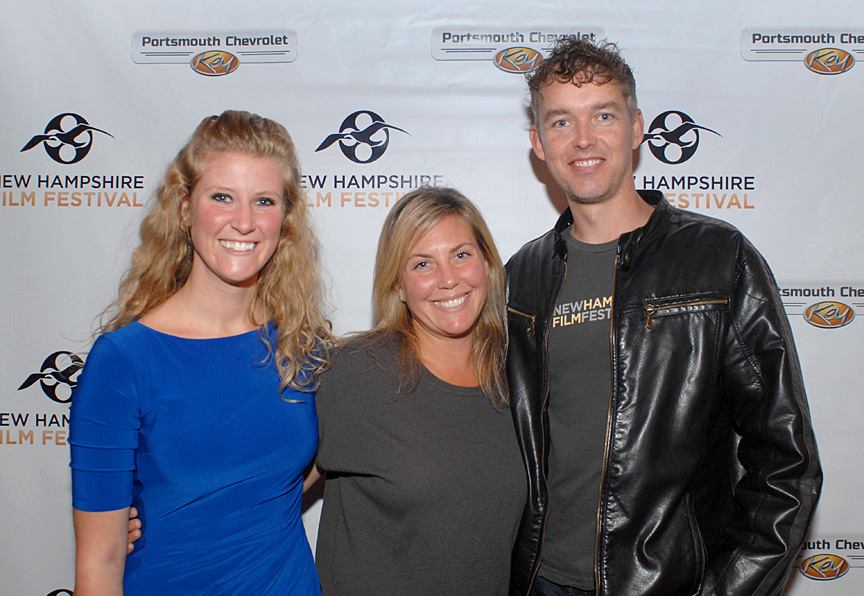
543,587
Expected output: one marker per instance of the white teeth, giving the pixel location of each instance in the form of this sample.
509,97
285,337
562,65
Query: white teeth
238,246
453,303
586,163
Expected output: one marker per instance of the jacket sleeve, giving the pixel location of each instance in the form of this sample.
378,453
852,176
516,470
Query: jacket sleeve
778,471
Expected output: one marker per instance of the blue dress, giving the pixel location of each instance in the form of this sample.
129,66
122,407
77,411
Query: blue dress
195,434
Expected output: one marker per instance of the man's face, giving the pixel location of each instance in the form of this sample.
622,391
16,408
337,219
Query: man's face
586,135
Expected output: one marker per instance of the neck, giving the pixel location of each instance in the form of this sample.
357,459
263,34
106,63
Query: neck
451,360
205,310
598,223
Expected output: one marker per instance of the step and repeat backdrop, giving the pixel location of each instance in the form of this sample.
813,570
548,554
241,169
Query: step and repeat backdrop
752,114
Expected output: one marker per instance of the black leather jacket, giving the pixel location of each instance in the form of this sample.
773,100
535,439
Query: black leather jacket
710,472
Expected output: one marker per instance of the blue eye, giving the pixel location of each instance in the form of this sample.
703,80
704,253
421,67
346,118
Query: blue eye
462,255
221,197
266,201
422,265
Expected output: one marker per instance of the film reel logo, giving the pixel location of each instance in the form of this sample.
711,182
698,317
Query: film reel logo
363,137
67,138
673,137
58,376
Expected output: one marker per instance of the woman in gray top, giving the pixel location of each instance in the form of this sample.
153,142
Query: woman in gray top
425,483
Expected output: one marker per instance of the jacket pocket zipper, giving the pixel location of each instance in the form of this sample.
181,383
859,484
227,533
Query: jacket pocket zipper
699,544
651,309
531,318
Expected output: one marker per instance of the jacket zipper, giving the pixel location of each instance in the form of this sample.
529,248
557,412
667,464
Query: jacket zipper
531,318
691,514
598,586
546,384
651,309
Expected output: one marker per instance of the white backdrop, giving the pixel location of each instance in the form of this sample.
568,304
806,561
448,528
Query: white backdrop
776,83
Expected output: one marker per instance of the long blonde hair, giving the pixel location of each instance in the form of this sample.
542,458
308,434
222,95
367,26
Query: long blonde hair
412,216
288,287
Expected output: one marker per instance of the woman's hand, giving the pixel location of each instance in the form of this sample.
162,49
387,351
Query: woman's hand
133,530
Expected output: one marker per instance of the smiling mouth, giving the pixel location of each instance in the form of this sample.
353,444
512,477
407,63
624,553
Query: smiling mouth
585,163
451,304
237,246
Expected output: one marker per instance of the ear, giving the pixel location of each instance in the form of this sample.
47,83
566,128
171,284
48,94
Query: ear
398,289
537,143
638,129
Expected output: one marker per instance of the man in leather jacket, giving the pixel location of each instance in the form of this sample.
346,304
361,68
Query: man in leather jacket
654,381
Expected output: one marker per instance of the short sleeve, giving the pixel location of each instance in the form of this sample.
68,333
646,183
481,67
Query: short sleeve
351,420
104,428
333,427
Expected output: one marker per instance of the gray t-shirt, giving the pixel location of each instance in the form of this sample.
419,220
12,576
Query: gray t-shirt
424,489
580,394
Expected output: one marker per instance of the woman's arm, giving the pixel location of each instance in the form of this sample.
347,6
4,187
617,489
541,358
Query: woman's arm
312,476
100,551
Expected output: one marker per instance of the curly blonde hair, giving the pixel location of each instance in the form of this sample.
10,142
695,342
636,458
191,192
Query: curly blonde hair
413,216
288,287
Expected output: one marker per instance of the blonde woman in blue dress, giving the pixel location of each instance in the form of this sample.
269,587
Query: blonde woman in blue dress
196,403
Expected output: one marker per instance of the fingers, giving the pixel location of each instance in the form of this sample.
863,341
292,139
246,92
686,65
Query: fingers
132,536
133,529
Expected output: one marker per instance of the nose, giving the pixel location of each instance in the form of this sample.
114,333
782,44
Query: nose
244,218
583,135
447,276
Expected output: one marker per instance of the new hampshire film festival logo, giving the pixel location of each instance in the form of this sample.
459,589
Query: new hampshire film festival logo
56,379
67,138
363,137
821,51
215,54
515,51
825,307
673,138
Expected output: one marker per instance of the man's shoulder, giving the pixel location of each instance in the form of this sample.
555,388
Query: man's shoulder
688,227
541,247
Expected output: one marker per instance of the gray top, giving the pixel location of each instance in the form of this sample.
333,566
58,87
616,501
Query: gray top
580,394
425,488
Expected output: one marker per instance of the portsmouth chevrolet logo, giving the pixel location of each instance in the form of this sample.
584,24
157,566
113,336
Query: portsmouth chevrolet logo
829,61
215,63
518,60
829,314
824,566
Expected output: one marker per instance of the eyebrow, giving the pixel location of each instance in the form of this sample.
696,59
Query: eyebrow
599,106
414,255
229,190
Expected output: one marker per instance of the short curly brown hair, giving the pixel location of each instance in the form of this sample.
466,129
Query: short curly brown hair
578,61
